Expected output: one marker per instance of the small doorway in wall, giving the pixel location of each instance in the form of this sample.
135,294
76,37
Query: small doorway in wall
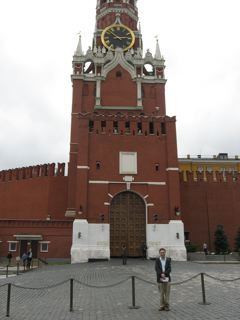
26,244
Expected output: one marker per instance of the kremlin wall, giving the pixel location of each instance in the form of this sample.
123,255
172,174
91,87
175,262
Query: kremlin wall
35,198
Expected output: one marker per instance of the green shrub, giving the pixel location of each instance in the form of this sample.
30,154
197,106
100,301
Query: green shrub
191,247
221,241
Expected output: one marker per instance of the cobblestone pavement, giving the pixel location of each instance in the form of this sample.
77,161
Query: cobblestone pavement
112,303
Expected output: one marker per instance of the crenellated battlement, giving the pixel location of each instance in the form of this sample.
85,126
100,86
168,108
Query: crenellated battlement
209,177
127,124
44,170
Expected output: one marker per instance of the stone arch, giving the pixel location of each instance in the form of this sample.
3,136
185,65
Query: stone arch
127,223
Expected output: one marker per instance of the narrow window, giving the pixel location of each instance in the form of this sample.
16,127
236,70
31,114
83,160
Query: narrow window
163,128
151,127
98,165
157,167
127,126
119,74
91,125
115,127
103,125
139,127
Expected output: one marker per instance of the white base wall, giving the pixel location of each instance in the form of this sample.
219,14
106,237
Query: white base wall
91,241
169,236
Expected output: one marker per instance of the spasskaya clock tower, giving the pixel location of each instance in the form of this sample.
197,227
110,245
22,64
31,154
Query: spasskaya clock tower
123,170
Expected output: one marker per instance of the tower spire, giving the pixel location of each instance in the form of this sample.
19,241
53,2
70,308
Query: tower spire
79,51
158,55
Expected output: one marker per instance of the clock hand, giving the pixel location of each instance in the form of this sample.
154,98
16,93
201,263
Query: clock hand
120,38
116,37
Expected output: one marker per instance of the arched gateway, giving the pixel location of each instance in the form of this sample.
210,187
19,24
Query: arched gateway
127,224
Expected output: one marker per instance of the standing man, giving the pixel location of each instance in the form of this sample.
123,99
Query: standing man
163,270
124,253
205,248
144,250
9,257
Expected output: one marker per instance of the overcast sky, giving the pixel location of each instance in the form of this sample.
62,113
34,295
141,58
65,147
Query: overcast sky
198,38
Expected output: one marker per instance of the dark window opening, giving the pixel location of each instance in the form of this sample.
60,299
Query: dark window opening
127,126
131,2
151,128
163,128
157,167
98,165
103,125
91,125
119,74
139,127
115,127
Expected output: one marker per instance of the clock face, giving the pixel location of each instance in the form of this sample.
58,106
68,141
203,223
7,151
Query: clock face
118,36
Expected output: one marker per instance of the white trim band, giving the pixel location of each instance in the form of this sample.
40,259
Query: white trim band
120,182
83,167
172,169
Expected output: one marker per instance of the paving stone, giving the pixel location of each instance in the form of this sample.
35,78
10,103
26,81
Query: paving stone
48,293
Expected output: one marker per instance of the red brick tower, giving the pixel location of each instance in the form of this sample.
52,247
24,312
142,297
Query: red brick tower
123,169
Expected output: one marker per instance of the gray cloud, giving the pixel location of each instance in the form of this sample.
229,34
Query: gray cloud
198,40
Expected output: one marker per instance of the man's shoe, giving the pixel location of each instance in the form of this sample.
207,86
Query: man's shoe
161,309
167,308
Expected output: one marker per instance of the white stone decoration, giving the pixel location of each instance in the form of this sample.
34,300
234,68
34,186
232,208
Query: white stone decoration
127,162
169,236
91,241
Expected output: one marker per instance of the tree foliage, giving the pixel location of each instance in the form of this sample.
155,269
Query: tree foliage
237,241
221,241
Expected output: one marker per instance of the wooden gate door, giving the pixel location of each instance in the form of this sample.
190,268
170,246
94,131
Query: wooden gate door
127,224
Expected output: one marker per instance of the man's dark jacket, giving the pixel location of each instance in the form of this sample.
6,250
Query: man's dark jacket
158,268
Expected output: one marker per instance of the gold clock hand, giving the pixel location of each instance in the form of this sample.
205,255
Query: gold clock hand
125,38
116,37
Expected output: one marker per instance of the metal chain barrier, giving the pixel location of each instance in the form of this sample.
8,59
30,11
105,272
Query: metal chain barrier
40,288
222,280
185,281
172,283
105,286
133,306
